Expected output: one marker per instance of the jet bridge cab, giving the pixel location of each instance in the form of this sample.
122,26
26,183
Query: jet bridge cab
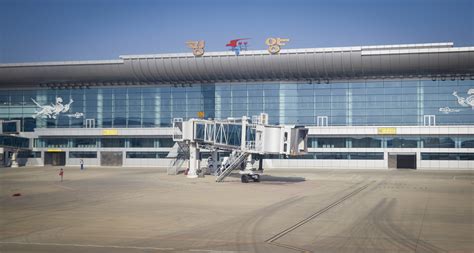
284,140
246,140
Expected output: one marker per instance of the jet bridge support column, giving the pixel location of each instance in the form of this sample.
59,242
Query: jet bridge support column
193,160
14,159
244,133
215,161
249,163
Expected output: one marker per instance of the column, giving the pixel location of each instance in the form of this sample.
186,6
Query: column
193,160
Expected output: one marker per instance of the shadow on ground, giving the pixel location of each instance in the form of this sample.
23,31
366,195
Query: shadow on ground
274,179
269,178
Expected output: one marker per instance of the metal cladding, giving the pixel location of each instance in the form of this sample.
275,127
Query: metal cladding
391,61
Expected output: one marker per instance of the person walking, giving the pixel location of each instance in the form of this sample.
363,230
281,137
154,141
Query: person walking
82,164
61,173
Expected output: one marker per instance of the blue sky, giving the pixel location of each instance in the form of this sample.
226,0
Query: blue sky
56,30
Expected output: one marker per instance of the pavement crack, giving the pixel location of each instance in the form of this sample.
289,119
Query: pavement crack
272,240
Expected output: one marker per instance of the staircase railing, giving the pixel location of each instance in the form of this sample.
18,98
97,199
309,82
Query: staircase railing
232,164
180,152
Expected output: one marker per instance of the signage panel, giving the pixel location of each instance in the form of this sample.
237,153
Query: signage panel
54,150
387,130
110,132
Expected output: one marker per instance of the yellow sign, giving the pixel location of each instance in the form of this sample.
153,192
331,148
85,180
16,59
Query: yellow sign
197,47
274,44
54,150
110,132
387,130
200,115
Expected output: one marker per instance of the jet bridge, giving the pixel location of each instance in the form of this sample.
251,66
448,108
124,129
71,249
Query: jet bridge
243,137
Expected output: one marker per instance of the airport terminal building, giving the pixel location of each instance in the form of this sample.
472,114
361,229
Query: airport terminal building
390,106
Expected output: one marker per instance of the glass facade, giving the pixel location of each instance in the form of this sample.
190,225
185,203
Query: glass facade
335,156
146,155
447,156
9,127
82,154
370,103
29,154
84,142
438,142
433,141
87,142
14,141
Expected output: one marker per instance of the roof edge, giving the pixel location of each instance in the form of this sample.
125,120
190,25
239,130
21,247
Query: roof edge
59,63
366,50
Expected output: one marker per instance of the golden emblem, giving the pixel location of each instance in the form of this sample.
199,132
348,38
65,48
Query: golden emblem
197,46
274,44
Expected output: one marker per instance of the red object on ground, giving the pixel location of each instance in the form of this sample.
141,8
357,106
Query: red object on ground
186,172
16,194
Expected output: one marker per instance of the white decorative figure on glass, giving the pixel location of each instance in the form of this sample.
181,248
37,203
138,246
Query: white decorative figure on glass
53,110
466,102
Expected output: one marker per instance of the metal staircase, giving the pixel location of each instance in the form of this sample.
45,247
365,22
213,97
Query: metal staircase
234,162
180,152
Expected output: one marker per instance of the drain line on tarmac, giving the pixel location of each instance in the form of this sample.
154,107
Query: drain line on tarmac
272,240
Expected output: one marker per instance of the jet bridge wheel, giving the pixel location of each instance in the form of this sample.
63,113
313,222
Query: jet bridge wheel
256,178
244,179
247,178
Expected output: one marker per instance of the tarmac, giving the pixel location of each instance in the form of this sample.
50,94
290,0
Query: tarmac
290,210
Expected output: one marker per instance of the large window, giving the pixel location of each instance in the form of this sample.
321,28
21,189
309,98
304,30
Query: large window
82,154
331,156
53,142
14,141
10,127
112,143
84,142
29,154
165,142
366,156
447,156
438,142
405,142
366,142
467,142
357,103
146,155
312,142
331,142
341,142
142,142
348,156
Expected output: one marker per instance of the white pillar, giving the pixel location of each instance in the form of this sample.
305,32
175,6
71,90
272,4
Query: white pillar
244,133
214,155
193,160
249,163
14,160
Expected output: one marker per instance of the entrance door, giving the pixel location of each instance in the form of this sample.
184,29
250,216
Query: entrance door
402,160
110,158
406,162
90,123
55,158
429,120
322,121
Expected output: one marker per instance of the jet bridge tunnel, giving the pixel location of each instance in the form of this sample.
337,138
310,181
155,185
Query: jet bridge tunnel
240,135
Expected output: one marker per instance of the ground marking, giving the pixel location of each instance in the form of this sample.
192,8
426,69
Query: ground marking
306,220
64,187
87,245
210,250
